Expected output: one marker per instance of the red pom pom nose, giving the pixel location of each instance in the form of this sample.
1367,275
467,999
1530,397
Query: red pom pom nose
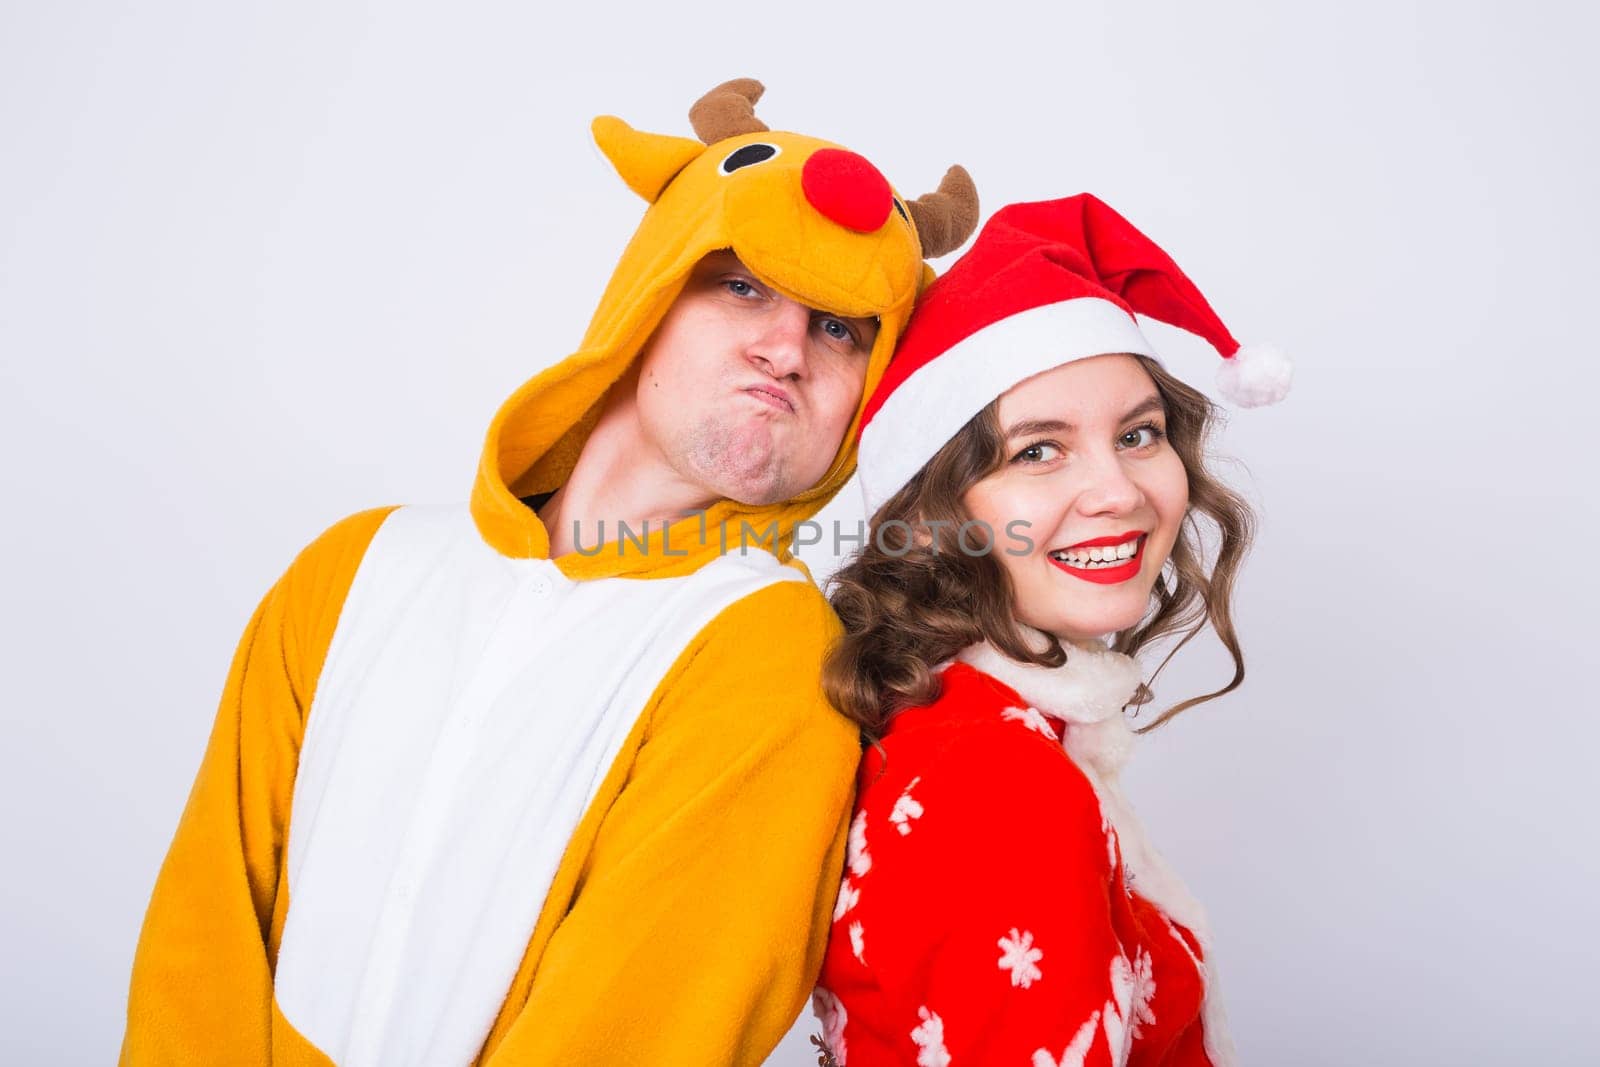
847,189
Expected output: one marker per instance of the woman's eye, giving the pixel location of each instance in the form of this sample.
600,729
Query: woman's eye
1043,452
1141,437
740,287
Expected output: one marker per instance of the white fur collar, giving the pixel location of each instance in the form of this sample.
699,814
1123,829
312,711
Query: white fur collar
1094,684
1088,693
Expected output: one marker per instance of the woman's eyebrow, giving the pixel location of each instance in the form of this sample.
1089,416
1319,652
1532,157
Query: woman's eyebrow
1145,407
1029,427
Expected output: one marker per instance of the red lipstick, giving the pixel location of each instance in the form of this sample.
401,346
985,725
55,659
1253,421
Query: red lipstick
1107,575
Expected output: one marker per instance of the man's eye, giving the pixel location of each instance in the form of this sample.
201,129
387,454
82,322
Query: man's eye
740,287
837,330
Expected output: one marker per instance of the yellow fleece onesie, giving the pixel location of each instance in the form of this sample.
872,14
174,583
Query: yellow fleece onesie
463,803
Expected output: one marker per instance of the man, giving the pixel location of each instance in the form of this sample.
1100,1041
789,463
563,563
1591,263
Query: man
550,779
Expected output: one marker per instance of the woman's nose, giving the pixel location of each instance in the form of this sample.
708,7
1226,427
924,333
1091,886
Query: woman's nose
1108,489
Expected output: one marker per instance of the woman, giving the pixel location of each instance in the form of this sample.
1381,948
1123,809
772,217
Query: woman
1037,484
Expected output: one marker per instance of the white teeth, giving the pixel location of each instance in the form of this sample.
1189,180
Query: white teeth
1099,557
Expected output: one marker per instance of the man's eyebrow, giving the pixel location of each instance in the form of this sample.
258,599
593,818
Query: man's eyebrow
874,319
1029,427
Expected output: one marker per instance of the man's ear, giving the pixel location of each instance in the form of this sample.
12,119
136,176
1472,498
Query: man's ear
646,161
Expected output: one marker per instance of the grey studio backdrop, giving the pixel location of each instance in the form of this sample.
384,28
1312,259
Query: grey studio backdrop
263,265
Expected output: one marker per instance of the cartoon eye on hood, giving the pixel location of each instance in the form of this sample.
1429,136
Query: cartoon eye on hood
748,156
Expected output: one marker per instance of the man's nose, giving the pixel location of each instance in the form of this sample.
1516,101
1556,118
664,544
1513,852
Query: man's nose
780,344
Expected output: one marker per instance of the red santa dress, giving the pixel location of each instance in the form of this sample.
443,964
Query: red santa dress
1001,905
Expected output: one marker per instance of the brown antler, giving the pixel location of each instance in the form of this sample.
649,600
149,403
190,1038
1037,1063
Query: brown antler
946,218
727,111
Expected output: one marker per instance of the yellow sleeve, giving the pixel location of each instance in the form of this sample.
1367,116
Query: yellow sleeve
703,910
201,990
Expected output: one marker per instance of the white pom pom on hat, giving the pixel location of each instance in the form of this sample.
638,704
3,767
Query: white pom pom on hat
1255,376
1044,283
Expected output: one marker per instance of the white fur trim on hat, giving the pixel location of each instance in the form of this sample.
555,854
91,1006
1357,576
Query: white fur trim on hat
931,406
1255,376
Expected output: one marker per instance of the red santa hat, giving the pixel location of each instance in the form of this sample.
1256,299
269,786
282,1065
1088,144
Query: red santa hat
1044,284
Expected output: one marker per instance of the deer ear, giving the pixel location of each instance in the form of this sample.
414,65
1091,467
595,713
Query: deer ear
646,161
946,217
728,111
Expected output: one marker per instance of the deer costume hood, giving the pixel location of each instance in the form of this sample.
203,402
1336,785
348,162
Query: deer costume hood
466,804
816,222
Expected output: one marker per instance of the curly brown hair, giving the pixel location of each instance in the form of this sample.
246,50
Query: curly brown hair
909,603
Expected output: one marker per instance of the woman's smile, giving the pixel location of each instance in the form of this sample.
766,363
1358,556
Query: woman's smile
1106,561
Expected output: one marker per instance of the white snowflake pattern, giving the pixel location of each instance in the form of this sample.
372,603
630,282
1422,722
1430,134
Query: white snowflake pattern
906,808
1018,955
1144,991
860,859
1032,718
1114,1020
858,942
929,1039
830,1011
1073,1055
849,896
